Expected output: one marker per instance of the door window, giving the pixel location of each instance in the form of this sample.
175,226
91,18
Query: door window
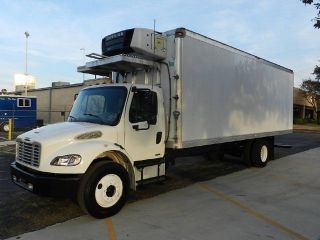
144,107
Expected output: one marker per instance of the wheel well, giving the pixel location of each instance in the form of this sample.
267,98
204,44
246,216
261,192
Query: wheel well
121,159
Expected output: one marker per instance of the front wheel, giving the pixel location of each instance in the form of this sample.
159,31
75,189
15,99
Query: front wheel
103,189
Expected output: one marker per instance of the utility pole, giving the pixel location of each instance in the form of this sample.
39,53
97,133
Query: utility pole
26,73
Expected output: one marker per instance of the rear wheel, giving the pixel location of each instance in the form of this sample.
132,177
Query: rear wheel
103,190
261,152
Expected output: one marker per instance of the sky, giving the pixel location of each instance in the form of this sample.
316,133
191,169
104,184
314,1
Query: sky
280,31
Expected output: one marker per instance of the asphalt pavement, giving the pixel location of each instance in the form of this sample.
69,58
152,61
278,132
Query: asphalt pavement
21,211
280,201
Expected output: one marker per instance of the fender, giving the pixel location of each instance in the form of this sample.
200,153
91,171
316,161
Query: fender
117,154
89,150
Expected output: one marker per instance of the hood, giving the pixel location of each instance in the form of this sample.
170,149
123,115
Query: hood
67,131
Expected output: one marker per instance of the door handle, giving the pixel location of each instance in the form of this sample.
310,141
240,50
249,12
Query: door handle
158,137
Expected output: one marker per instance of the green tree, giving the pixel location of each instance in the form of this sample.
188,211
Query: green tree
311,88
316,4
316,72
311,92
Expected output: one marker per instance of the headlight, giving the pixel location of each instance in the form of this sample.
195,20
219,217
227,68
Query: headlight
66,160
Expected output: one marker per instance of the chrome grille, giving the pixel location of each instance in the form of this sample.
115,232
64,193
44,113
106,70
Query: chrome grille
28,153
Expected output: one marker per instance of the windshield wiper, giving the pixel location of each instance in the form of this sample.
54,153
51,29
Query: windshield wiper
96,116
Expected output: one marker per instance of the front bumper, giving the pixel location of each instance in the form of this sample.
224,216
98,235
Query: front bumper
48,184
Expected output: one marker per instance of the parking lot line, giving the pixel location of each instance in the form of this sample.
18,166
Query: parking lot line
252,212
111,232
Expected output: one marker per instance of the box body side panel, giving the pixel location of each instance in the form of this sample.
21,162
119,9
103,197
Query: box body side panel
226,94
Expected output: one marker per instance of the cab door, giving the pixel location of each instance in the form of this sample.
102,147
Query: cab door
144,124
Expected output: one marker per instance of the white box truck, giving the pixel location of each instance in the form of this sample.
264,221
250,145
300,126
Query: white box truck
172,93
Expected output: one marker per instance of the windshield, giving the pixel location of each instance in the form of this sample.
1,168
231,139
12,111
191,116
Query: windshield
99,105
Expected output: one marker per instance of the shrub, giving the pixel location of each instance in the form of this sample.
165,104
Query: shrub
299,121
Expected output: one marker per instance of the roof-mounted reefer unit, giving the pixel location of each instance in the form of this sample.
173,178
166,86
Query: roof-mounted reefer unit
141,42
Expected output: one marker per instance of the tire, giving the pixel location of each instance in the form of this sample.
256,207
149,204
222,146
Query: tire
260,153
103,190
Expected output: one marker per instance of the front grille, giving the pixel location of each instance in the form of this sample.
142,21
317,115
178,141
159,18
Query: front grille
28,153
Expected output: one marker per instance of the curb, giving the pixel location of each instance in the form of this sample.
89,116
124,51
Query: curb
303,128
306,130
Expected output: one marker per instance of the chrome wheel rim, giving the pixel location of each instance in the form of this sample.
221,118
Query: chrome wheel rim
264,153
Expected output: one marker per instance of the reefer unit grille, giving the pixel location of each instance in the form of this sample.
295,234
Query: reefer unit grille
29,153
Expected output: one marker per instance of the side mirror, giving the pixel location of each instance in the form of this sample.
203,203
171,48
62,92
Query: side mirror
141,126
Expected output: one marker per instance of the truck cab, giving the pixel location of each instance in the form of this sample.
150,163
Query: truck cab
112,140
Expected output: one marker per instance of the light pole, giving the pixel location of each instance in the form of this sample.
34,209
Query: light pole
26,73
84,59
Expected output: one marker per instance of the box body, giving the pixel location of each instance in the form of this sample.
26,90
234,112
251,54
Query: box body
226,94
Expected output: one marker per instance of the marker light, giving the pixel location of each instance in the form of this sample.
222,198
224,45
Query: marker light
89,135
